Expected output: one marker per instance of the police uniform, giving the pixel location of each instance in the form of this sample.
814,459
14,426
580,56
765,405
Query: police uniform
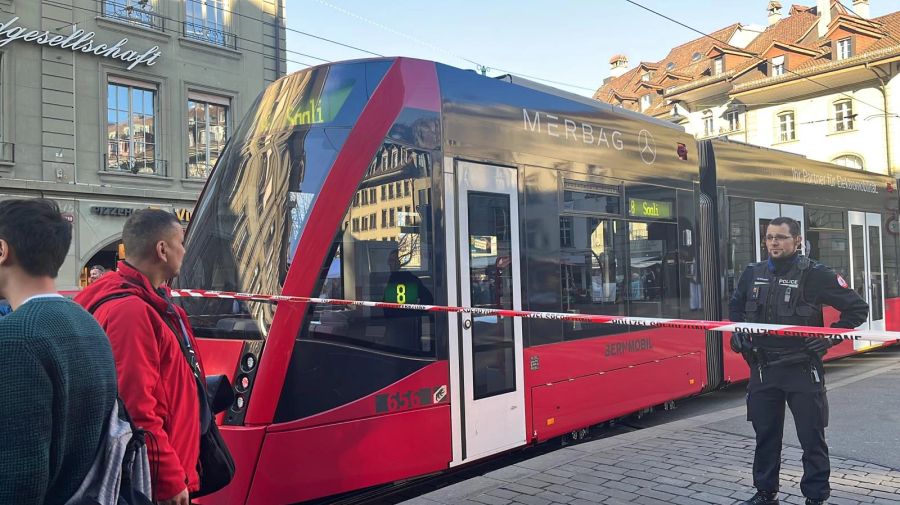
790,291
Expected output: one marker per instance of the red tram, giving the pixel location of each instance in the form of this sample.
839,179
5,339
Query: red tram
409,181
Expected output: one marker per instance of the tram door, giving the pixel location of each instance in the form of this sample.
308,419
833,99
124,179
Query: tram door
765,213
866,266
486,354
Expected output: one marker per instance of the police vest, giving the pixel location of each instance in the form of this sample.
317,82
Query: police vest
778,299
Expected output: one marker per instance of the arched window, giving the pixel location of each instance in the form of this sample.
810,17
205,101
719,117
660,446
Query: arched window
849,161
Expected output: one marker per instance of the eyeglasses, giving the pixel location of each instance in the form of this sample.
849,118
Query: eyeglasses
778,238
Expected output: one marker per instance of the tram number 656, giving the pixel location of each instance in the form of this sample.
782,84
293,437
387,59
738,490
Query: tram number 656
405,400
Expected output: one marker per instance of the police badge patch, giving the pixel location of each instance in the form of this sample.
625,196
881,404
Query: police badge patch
841,281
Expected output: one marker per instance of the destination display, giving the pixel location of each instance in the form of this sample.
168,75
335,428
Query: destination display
638,207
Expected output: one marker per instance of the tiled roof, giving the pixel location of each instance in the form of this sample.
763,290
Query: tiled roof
679,62
797,31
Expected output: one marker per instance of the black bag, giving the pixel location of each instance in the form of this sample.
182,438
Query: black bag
215,465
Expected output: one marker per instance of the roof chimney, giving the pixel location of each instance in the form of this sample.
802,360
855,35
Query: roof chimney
861,8
823,9
774,10
618,65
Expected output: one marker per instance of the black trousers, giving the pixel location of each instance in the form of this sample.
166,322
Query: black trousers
765,409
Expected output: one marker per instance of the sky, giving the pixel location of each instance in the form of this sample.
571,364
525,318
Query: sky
568,42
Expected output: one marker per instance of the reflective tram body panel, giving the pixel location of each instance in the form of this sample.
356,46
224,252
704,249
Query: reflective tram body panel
833,204
407,181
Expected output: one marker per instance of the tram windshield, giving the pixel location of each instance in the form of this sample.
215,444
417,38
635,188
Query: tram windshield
252,213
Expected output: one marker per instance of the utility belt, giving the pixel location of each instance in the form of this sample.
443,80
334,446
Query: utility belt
780,357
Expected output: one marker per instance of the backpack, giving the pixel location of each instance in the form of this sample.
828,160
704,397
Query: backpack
120,473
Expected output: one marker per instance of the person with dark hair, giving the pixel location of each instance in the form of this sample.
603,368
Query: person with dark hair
151,338
789,289
59,376
95,273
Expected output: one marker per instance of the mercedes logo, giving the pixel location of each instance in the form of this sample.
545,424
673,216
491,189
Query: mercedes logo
647,146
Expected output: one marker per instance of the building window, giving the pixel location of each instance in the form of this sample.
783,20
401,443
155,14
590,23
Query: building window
207,124
645,102
849,161
786,130
139,12
843,49
708,123
696,57
843,116
718,65
205,21
734,120
670,66
778,66
131,129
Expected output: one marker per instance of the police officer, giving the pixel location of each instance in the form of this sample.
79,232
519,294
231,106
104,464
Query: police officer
790,289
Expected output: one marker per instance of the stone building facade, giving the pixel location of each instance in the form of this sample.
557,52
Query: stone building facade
109,106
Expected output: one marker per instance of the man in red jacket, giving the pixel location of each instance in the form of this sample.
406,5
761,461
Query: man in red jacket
148,335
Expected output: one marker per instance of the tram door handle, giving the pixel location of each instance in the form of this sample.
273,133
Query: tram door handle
467,323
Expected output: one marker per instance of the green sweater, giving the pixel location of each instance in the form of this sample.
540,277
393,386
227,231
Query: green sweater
58,387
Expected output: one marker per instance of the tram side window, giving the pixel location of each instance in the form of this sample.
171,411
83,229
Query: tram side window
652,278
826,238
592,272
741,242
391,263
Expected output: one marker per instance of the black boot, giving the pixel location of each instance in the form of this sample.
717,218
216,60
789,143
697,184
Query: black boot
812,501
763,498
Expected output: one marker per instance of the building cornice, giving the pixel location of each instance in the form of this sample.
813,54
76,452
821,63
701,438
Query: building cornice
699,83
802,73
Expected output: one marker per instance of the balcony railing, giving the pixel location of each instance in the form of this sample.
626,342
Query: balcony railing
131,165
7,152
134,12
203,33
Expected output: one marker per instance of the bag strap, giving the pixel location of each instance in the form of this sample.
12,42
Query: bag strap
184,343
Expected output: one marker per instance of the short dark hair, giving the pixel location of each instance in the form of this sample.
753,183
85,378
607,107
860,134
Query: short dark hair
38,233
793,225
144,229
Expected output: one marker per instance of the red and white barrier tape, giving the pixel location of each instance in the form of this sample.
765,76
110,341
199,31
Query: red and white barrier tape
648,322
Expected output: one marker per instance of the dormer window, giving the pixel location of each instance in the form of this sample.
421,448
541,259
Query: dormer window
778,65
670,66
844,50
645,102
718,65
695,57
646,76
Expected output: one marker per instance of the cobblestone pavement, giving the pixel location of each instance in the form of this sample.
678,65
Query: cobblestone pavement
683,462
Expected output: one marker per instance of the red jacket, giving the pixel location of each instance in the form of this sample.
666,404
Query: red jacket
155,381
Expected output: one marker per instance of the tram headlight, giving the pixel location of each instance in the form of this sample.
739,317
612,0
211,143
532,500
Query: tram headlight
248,362
242,383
